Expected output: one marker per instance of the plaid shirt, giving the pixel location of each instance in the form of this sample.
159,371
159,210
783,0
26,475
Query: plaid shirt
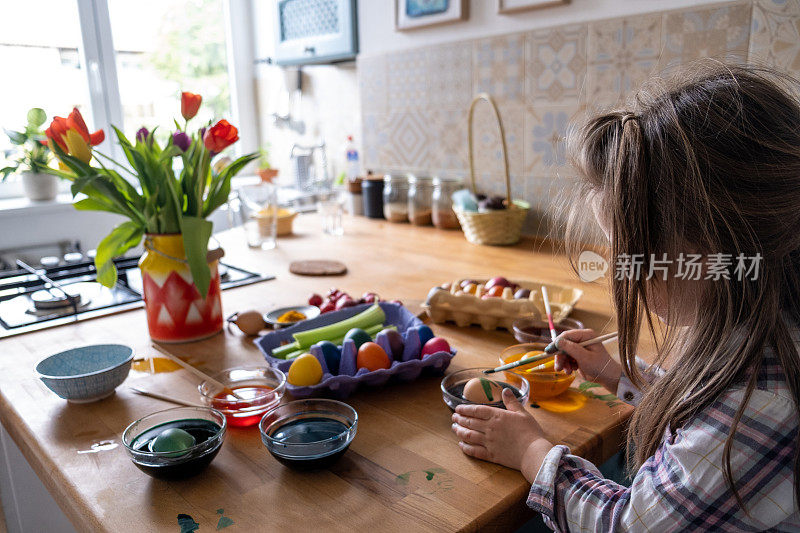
682,487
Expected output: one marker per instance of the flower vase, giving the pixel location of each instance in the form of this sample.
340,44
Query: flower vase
176,312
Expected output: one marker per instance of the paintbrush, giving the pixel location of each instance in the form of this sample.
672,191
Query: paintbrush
553,333
551,348
196,372
543,356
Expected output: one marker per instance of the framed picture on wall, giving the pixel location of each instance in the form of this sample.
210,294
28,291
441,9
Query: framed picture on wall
413,14
514,6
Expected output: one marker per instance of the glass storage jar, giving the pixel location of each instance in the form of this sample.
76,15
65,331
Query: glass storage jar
443,215
420,200
395,198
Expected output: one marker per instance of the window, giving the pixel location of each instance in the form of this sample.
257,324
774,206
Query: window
163,47
124,63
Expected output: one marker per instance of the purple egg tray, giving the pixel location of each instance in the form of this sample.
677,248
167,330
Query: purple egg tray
407,367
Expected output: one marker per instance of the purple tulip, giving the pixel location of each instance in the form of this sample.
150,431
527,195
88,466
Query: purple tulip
181,140
142,134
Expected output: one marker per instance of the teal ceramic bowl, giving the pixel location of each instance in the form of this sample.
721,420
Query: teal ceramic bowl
88,373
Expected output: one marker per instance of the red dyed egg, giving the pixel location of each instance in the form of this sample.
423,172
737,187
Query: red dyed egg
436,344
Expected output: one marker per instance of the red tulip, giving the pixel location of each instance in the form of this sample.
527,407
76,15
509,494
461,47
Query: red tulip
72,135
190,103
220,136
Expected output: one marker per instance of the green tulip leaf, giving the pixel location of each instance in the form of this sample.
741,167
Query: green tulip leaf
36,117
120,240
196,233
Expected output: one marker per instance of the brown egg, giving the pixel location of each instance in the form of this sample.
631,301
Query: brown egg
250,322
482,390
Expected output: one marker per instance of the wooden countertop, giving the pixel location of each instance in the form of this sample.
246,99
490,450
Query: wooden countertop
404,434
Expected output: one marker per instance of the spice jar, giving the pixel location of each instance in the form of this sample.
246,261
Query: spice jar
372,197
443,215
395,198
420,200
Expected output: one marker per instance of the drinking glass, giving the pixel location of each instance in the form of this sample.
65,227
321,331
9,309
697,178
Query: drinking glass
330,210
259,214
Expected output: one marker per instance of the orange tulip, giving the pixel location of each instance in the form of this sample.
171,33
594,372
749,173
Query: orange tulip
190,103
220,136
72,135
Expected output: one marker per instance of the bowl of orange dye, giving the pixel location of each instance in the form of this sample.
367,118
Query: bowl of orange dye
545,382
260,388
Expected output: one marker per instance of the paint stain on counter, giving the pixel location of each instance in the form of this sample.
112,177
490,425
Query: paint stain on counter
101,446
428,481
155,365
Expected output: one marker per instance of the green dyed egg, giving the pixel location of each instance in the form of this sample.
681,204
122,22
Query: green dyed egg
359,336
172,440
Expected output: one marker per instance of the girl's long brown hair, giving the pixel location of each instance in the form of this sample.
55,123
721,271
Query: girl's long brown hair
708,164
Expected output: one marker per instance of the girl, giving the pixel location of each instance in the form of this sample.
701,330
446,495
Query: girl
708,168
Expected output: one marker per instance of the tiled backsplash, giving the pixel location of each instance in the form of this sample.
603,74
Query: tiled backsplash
414,103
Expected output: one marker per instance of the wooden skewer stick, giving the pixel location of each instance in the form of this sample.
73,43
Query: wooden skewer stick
196,372
163,397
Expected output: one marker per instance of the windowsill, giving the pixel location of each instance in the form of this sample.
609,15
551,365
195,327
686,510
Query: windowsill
20,205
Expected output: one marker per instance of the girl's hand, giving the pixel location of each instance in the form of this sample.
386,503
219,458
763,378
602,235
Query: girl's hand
509,437
593,361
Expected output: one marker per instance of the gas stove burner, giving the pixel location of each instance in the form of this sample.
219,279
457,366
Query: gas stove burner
80,295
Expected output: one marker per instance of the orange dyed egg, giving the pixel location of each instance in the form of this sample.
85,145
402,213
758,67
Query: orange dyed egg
372,357
496,291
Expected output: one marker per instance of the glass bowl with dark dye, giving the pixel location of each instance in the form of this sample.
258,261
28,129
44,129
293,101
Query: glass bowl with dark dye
531,329
453,386
206,425
260,387
309,434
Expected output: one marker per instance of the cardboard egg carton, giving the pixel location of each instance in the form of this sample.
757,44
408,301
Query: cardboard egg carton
465,309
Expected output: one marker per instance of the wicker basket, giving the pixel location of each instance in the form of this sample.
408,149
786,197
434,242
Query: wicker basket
500,227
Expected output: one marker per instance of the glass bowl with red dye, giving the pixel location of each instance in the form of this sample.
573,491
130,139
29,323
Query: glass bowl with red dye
260,388
531,329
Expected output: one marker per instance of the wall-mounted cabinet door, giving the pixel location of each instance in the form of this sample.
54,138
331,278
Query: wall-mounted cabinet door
315,31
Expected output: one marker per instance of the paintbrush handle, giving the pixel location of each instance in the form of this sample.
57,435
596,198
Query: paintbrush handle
515,364
163,397
195,371
549,313
551,348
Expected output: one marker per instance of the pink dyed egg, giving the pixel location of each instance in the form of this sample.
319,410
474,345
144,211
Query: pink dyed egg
436,344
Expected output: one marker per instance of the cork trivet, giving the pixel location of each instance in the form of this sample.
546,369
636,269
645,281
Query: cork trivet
319,267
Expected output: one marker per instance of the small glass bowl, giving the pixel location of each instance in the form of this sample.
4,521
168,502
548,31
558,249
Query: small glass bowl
175,465
453,384
543,384
261,386
309,434
531,329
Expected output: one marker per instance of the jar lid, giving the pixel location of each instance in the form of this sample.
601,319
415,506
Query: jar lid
447,179
422,180
396,178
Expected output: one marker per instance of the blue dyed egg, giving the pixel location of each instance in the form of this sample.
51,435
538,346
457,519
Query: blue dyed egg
425,334
332,355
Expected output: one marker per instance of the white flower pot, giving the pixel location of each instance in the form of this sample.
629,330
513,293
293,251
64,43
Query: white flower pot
39,187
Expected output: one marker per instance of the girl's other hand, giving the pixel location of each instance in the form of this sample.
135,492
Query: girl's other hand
593,361
509,437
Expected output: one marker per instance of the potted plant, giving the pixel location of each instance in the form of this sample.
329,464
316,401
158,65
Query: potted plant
32,159
265,170
167,209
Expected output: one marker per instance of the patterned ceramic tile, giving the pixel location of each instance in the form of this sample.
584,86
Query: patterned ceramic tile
406,78
545,138
448,150
486,135
775,34
374,133
449,73
372,84
498,68
407,141
555,64
622,53
721,33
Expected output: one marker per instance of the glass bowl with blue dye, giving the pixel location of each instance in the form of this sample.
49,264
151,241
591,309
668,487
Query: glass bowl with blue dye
206,426
453,386
309,434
